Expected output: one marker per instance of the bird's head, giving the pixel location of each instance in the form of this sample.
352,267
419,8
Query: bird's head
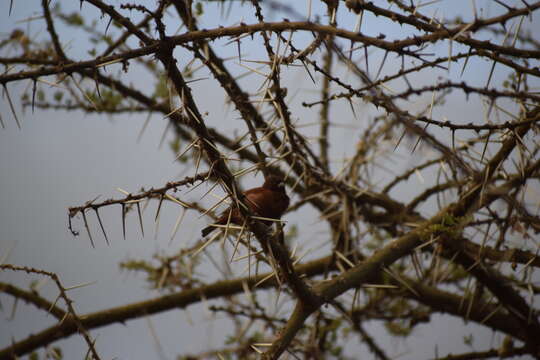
274,182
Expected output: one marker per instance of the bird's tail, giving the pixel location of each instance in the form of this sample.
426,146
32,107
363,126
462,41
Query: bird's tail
207,230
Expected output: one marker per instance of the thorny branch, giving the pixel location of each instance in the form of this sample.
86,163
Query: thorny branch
450,231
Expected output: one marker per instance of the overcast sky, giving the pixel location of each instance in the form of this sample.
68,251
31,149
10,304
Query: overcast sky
60,159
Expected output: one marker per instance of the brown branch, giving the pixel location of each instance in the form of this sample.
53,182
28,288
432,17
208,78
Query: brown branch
54,36
32,297
220,169
72,319
439,300
494,353
325,109
145,308
153,46
438,32
73,211
467,90
402,246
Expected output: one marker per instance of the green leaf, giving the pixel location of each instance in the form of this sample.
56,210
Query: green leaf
199,9
40,95
161,91
74,19
58,95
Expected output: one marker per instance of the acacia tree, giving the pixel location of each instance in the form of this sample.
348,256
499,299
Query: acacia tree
395,254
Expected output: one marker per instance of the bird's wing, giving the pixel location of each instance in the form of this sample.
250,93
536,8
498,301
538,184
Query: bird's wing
256,197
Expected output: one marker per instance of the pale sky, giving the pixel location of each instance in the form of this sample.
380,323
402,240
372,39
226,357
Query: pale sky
60,159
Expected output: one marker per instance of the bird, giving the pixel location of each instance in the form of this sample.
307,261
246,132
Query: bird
269,201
